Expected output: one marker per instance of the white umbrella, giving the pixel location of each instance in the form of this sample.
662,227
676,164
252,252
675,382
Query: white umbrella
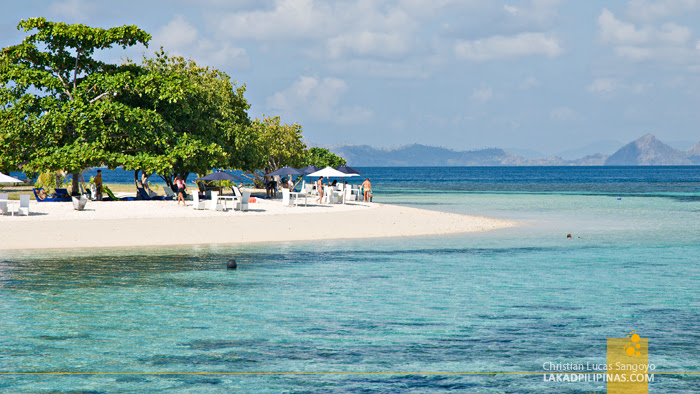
8,179
330,172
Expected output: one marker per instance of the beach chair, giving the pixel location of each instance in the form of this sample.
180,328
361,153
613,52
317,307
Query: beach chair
214,204
169,193
3,204
286,201
62,194
23,204
242,205
93,192
347,195
237,193
148,195
196,202
47,199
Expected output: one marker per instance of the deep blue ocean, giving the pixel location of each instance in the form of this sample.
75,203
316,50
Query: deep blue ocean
380,315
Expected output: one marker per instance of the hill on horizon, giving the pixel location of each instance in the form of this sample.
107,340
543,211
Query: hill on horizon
647,150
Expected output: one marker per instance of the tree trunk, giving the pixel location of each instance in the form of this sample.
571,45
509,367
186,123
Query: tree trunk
75,191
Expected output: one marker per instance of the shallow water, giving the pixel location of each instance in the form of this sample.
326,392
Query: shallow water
504,301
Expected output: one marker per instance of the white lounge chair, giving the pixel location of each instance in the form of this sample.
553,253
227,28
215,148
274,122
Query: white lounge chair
23,204
3,204
214,204
196,202
242,205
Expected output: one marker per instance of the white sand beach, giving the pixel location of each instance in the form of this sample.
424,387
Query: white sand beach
55,225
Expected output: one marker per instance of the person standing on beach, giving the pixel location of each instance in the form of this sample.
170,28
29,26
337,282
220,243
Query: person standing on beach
367,187
319,189
98,185
181,188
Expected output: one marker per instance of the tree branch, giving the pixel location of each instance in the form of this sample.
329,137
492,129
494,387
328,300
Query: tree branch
99,97
65,85
75,70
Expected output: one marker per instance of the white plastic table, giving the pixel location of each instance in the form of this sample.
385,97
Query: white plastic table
294,195
223,199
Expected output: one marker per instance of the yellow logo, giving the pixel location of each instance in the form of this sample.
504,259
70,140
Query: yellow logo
628,361
632,348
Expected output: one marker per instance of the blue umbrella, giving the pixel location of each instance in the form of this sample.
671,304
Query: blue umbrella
220,176
286,170
348,170
309,169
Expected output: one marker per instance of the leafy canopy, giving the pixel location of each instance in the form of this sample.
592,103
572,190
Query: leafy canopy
57,104
322,157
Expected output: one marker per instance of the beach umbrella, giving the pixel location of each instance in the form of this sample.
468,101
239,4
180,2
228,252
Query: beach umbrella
220,176
329,172
8,179
347,170
284,171
309,169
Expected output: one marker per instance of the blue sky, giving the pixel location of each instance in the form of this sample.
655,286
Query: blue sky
543,75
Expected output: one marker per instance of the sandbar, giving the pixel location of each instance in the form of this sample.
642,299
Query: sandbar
109,224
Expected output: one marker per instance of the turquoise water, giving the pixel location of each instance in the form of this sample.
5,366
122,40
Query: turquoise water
504,301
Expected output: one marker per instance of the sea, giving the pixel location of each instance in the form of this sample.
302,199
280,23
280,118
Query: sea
491,312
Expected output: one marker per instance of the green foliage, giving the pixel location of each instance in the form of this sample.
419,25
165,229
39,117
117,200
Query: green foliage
321,157
275,145
205,113
50,180
57,106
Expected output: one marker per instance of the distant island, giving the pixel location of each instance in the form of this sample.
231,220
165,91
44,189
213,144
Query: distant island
645,151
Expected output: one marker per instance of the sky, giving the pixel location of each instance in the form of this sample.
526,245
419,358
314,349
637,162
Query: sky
539,75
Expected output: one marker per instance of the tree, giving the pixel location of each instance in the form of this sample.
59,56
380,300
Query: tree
207,123
58,107
321,157
277,145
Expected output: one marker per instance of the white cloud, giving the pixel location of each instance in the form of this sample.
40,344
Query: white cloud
603,85
563,114
73,10
668,42
614,31
610,85
529,83
366,43
649,11
319,99
503,47
381,68
510,9
484,94
179,37
350,28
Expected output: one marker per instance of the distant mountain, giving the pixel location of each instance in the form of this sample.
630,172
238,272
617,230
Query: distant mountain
526,153
417,155
607,147
647,151
591,160
694,154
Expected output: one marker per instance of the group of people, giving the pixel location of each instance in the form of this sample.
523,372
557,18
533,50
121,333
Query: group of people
366,189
